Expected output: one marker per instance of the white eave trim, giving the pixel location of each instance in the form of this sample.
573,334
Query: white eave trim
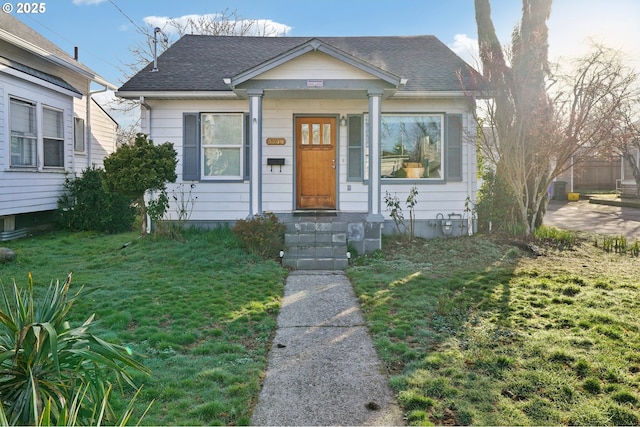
187,94
30,47
432,94
35,80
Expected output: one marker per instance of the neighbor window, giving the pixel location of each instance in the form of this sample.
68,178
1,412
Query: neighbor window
222,145
78,134
53,137
23,133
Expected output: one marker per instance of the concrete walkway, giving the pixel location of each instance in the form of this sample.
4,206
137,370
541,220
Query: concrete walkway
322,367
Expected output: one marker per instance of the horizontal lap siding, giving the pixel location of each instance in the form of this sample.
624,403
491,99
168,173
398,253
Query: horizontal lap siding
278,122
315,65
103,135
216,201
24,192
230,201
32,191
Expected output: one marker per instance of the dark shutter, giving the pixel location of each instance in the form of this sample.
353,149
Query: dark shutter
191,147
247,147
454,147
355,144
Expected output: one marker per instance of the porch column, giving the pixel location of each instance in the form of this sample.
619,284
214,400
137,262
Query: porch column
375,100
255,144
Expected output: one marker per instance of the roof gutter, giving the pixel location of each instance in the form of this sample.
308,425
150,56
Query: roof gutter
433,94
183,94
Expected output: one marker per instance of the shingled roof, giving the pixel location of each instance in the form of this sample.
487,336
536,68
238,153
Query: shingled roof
14,31
201,63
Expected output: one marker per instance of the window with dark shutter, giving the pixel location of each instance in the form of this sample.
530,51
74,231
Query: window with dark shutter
191,147
355,144
454,147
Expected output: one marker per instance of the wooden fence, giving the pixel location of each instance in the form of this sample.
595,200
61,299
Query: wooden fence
597,174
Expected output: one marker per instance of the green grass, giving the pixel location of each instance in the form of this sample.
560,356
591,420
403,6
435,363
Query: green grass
479,331
471,330
200,312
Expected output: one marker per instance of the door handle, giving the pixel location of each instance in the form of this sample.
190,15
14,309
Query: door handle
333,163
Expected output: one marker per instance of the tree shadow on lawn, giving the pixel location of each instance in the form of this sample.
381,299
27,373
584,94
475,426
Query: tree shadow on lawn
419,298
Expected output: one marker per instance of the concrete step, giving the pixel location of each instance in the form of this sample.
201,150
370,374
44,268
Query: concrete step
316,244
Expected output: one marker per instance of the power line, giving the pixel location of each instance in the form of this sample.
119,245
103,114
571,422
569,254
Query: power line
127,16
98,57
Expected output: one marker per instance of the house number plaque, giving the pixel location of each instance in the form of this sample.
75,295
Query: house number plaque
276,141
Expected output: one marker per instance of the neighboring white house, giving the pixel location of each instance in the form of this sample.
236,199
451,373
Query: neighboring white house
628,185
317,131
49,125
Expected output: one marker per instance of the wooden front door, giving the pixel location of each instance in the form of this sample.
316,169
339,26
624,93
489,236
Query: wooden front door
316,162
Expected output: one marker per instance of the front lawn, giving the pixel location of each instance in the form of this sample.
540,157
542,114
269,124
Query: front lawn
200,312
480,331
472,330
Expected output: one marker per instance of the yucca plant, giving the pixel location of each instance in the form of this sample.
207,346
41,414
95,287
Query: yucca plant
44,362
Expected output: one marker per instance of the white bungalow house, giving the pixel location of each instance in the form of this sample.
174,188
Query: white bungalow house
316,130
49,125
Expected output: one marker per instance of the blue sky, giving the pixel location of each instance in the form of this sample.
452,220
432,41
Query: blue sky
104,29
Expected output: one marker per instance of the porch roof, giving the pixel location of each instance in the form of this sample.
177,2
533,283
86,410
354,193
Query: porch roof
204,63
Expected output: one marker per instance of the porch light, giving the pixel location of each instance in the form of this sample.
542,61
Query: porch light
343,121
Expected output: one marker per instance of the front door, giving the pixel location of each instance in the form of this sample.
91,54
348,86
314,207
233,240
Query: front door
316,162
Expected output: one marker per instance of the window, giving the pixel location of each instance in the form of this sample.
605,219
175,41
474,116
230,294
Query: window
222,145
355,144
78,134
215,146
23,133
413,146
53,137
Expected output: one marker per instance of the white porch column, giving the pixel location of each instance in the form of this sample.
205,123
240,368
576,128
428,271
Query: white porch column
255,143
375,100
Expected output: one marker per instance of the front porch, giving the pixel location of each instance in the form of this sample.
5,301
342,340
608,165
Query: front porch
320,240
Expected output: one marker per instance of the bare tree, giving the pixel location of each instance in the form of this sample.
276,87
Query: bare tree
224,23
150,43
536,122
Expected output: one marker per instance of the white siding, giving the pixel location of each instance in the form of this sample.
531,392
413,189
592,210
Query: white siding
31,191
103,135
314,65
230,201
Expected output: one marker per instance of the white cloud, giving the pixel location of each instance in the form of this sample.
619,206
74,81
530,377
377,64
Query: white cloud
250,27
87,2
467,49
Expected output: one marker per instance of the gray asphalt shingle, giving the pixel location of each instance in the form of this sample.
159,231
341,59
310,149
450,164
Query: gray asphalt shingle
200,63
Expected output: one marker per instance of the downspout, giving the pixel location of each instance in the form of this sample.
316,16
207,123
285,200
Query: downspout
148,118
148,132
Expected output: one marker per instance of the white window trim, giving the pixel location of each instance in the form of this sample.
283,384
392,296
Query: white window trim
56,138
240,147
33,137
